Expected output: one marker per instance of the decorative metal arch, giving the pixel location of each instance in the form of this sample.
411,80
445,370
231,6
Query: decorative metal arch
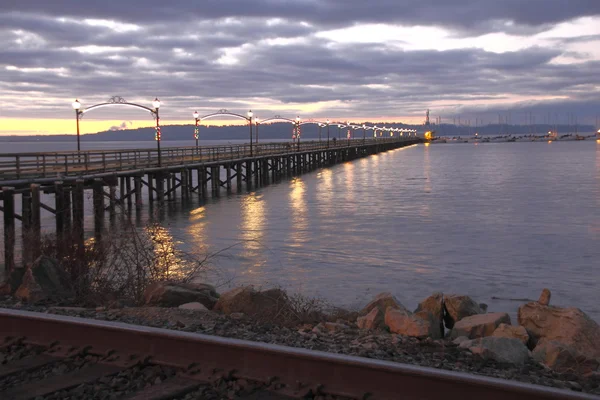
310,121
226,113
278,118
117,101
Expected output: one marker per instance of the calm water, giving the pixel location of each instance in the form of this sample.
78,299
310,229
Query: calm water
490,219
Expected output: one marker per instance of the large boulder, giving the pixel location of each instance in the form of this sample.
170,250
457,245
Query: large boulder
45,280
382,301
570,326
512,332
480,325
563,358
403,322
503,350
434,305
458,307
247,300
175,294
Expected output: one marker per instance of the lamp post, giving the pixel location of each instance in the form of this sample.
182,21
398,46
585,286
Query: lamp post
156,105
320,126
196,129
327,133
257,121
298,131
250,123
364,133
77,107
349,127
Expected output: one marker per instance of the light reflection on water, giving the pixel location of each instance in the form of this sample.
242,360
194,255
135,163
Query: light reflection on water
497,219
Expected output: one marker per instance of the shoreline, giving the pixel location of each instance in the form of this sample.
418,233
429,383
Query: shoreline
341,333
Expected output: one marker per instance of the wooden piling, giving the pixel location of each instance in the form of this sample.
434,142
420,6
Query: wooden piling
137,186
98,200
238,177
8,194
59,201
36,223
228,172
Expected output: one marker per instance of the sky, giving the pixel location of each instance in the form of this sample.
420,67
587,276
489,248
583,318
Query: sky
478,60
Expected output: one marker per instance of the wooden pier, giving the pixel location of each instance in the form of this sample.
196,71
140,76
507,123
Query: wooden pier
117,178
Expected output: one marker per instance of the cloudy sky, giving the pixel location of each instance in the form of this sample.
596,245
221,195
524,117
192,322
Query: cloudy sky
351,59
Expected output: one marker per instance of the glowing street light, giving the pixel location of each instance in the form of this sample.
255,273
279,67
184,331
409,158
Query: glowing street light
77,106
196,129
156,105
298,131
250,114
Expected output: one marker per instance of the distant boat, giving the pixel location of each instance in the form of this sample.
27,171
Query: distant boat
577,137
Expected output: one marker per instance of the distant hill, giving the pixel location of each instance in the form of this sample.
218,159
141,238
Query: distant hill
284,131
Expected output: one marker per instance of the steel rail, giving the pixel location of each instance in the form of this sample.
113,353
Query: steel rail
296,369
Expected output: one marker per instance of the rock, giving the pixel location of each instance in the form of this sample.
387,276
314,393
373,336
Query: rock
500,349
480,325
570,326
483,307
237,315
373,320
15,279
459,340
264,304
545,297
513,332
175,294
405,323
434,305
46,279
382,301
457,307
563,358
193,306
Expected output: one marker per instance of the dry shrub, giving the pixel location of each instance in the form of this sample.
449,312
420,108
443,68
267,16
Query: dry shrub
121,264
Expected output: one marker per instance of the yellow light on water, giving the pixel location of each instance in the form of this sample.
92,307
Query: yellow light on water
427,144
549,141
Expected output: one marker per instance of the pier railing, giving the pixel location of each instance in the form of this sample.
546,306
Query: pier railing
24,166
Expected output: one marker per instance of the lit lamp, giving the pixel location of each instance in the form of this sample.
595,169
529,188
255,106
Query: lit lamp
298,131
196,129
250,114
156,105
77,107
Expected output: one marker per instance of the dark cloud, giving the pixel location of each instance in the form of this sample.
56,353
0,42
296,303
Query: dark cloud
232,54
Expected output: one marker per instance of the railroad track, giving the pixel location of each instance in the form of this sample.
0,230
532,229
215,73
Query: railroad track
56,357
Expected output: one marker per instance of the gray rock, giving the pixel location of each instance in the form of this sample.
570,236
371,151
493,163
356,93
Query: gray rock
503,350
264,304
193,306
176,294
45,280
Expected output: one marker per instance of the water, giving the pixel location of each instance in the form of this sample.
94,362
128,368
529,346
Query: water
488,220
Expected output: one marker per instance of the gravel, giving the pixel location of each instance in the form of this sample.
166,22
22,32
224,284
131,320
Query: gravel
381,345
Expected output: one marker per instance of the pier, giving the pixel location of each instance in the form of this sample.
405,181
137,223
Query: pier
131,178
